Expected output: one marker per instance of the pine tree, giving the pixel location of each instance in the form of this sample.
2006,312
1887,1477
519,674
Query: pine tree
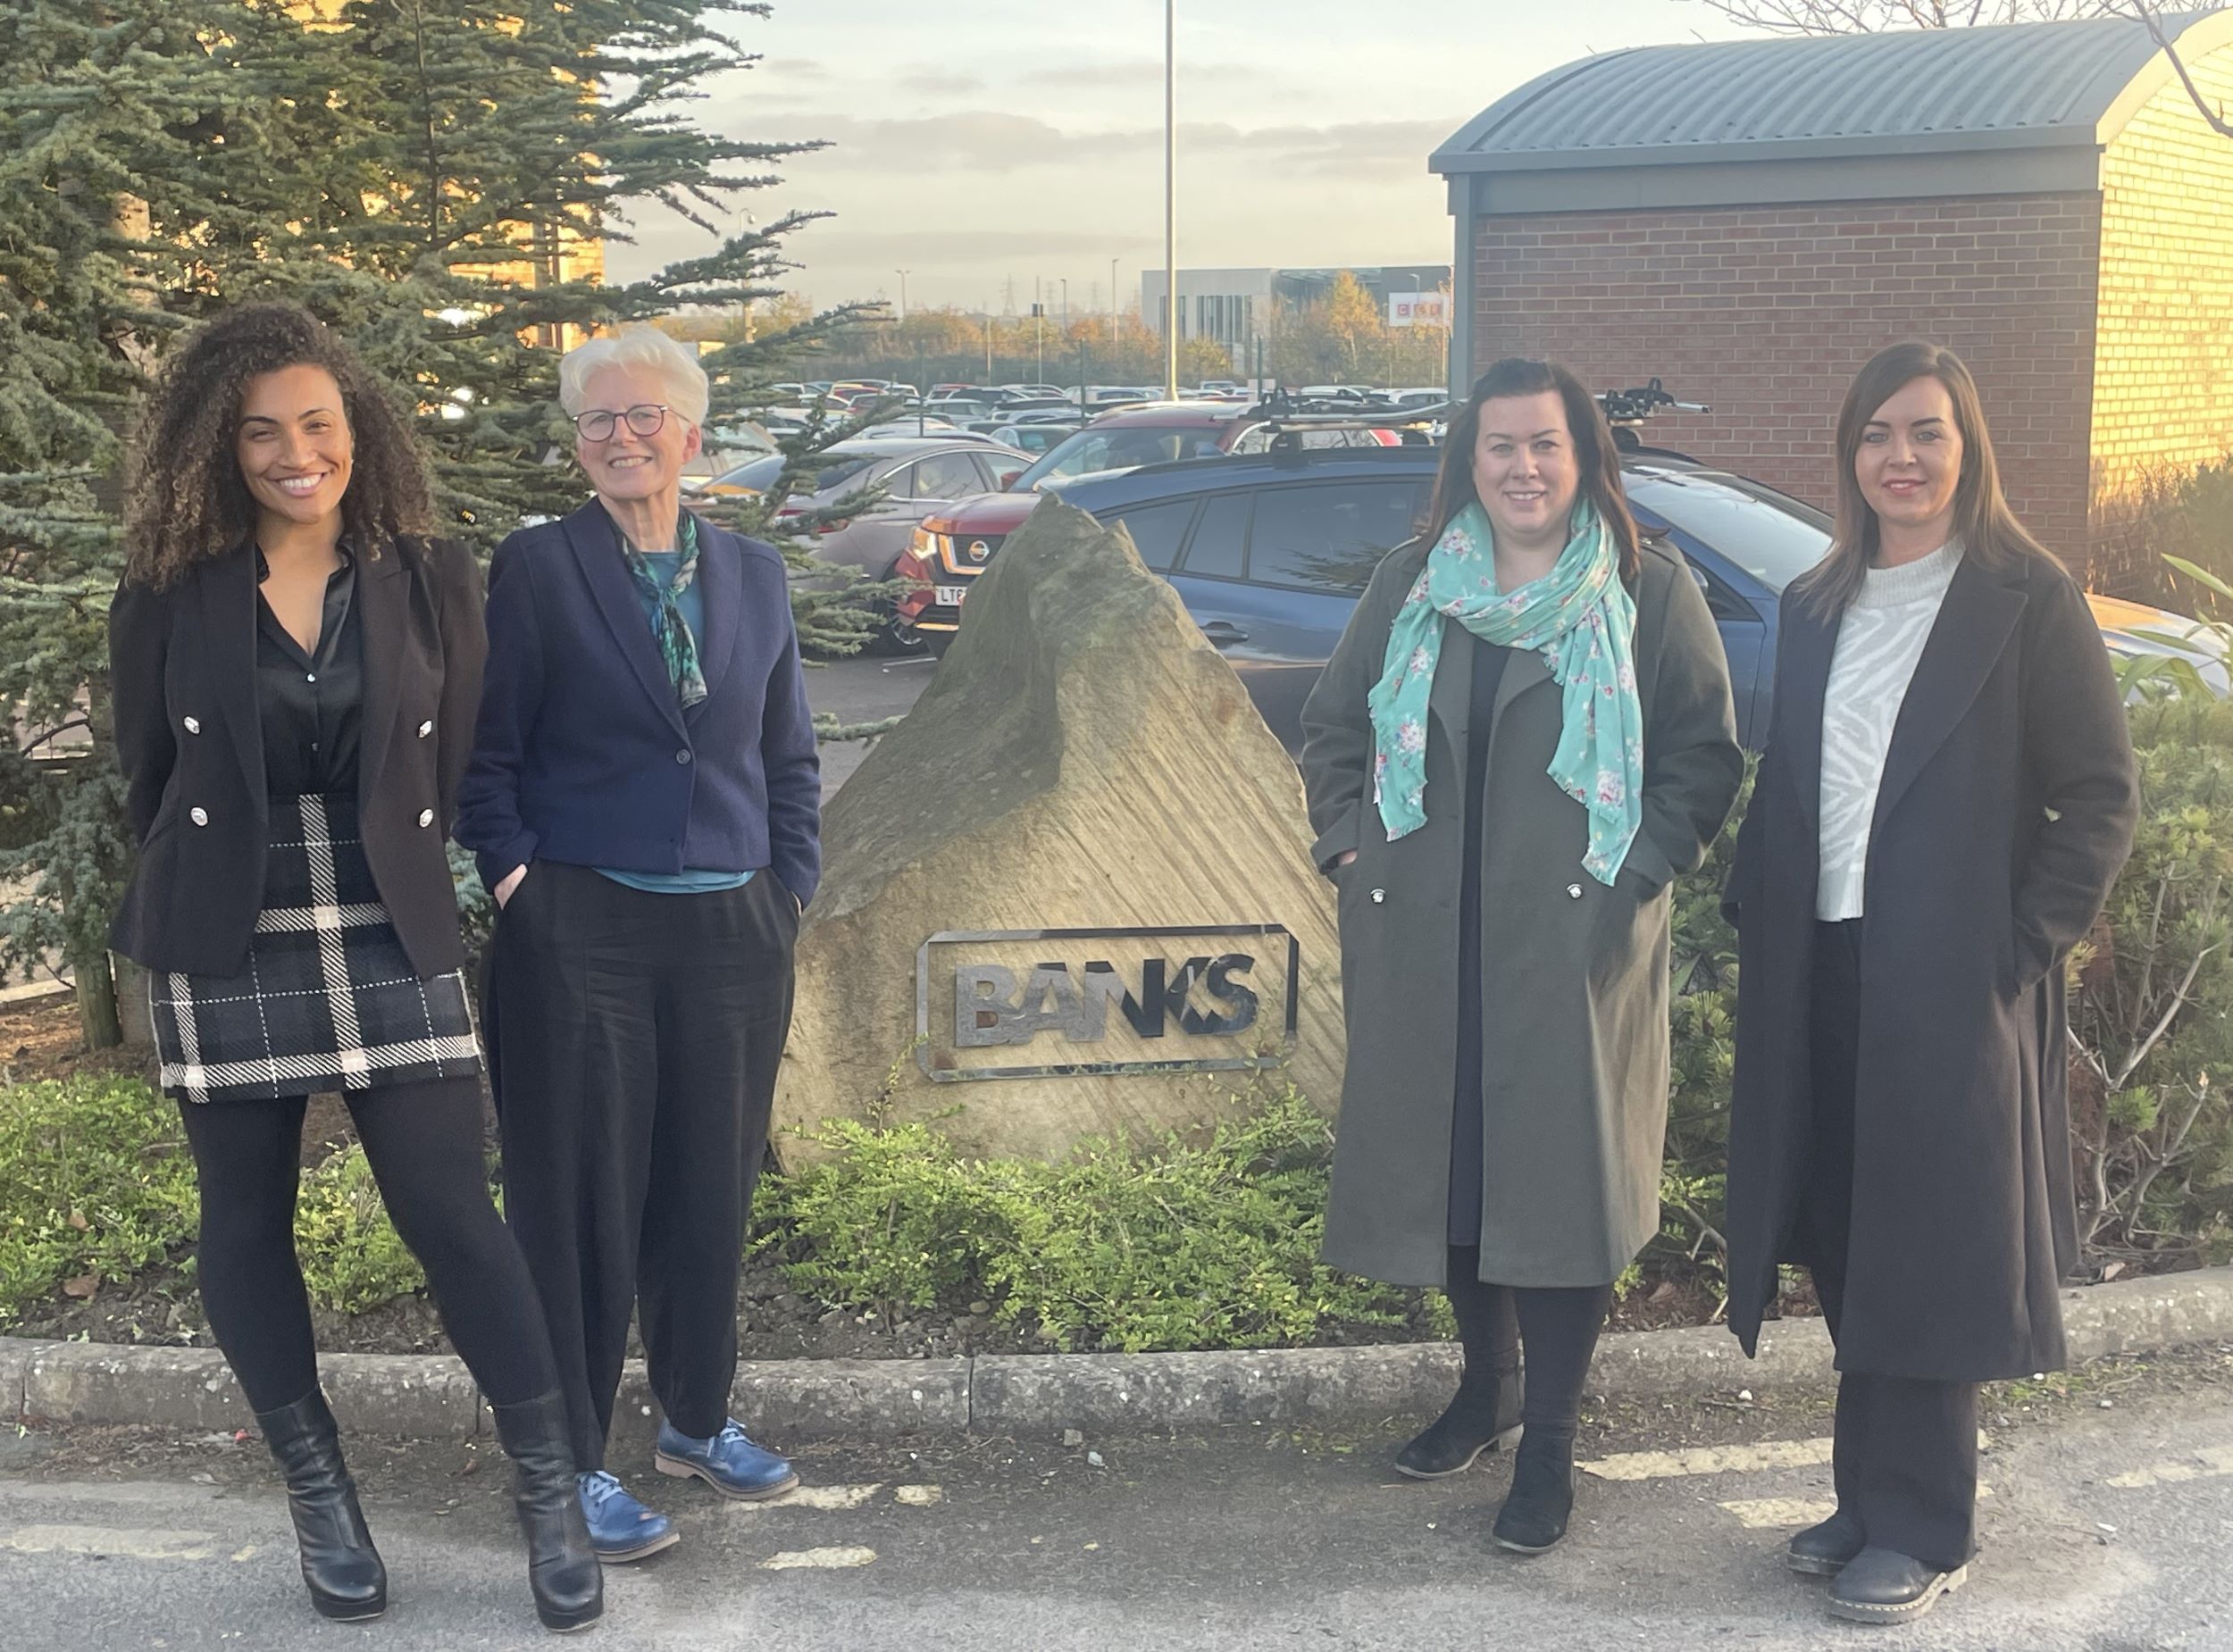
434,177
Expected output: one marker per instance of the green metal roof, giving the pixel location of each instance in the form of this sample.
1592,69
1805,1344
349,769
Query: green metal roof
1936,92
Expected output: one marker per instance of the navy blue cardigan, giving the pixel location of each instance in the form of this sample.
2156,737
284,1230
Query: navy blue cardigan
580,752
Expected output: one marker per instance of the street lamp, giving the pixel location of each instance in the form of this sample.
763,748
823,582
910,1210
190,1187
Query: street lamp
1112,300
1170,200
903,275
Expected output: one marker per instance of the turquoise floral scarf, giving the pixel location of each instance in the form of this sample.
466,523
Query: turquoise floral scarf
669,629
1580,618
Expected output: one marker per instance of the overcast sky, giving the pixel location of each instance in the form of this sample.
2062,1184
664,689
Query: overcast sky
977,142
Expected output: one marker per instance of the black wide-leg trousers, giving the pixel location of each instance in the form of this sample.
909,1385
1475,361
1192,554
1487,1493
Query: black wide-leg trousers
634,1039
1906,1454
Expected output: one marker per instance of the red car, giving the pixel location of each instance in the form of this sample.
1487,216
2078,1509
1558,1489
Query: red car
952,547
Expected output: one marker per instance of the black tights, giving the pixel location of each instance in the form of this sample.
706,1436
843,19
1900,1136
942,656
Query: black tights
424,1142
1559,1328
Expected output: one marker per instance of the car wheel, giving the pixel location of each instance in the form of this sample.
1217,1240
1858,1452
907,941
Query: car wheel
894,637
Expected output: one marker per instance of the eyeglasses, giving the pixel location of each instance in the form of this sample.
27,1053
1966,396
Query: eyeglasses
645,419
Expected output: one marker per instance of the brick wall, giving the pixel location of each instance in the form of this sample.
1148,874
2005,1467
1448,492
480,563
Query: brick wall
2164,359
1766,313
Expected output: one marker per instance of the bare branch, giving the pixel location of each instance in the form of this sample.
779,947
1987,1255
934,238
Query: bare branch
2146,14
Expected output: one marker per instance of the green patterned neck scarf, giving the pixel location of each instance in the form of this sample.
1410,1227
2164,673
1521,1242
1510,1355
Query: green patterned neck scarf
669,629
1580,618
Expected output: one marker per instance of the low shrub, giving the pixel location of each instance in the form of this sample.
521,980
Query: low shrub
96,1184
353,1259
1166,1245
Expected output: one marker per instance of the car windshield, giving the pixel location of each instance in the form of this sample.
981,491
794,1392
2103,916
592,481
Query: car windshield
760,475
1772,536
1122,448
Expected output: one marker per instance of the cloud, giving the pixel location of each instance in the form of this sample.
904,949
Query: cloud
939,81
958,248
1147,72
996,140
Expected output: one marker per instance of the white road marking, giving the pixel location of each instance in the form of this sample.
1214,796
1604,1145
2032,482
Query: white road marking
1791,1513
1773,1514
2206,1463
813,1496
917,1497
111,1542
1711,1460
818,1559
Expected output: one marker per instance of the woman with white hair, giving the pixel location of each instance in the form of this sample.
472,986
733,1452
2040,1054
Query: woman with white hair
644,799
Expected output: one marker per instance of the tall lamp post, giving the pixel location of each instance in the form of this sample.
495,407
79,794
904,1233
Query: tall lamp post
1113,306
1170,200
903,275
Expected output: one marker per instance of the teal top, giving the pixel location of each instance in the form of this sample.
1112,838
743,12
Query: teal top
689,880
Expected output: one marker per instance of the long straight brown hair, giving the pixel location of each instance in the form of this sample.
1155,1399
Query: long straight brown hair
1989,531
1594,454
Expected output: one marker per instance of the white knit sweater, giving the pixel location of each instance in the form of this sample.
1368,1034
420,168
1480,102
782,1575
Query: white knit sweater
1880,639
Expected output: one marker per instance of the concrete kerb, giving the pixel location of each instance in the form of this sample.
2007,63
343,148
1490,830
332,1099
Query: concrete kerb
431,1397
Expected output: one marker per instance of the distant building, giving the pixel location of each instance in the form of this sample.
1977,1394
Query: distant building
1237,307
1751,220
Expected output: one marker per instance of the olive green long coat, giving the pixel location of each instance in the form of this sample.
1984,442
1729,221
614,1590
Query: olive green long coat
1574,972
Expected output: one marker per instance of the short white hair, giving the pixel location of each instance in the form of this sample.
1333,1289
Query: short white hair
637,349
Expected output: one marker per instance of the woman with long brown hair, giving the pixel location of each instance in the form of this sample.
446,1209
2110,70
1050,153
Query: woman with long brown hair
295,663
1524,736
1946,796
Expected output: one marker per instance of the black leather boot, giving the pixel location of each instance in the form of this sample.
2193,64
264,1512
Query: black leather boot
1536,1509
562,1568
1483,1417
1823,1550
1884,1586
342,1567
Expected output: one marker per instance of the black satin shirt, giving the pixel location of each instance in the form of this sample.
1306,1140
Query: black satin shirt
312,706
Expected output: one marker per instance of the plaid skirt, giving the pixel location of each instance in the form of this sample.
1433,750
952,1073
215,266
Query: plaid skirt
327,999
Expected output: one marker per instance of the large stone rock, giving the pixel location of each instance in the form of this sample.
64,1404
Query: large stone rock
1084,761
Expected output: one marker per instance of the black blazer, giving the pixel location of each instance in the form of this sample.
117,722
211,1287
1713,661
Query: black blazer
189,738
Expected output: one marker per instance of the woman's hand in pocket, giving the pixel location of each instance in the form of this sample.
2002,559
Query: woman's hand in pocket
509,884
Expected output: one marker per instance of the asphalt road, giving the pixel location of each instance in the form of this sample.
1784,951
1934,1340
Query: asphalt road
2106,1529
865,688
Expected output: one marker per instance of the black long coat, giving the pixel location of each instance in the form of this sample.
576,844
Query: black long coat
2006,811
189,737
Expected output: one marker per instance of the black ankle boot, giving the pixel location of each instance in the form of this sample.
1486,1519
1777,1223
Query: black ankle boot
562,1568
342,1567
1541,1501
1483,1416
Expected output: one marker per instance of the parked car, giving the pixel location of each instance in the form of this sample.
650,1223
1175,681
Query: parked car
1156,433
919,475
1033,438
1271,551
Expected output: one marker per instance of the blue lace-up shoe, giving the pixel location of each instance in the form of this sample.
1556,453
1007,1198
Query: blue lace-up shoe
622,1529
730,1463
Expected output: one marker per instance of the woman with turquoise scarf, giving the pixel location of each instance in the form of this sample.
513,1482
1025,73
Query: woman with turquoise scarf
1524,737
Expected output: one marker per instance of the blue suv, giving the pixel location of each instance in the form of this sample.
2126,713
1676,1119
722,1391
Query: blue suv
1271,551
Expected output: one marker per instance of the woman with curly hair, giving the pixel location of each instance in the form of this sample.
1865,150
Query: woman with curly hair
295,665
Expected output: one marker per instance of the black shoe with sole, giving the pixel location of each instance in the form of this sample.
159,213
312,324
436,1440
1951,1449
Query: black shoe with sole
1484,1417
1540,1502
562,1569
341,1567
1824,1550
1884,1586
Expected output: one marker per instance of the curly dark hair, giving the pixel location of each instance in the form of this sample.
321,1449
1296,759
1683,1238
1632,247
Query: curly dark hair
185,499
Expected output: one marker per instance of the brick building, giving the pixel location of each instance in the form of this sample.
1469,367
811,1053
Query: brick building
1751,220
